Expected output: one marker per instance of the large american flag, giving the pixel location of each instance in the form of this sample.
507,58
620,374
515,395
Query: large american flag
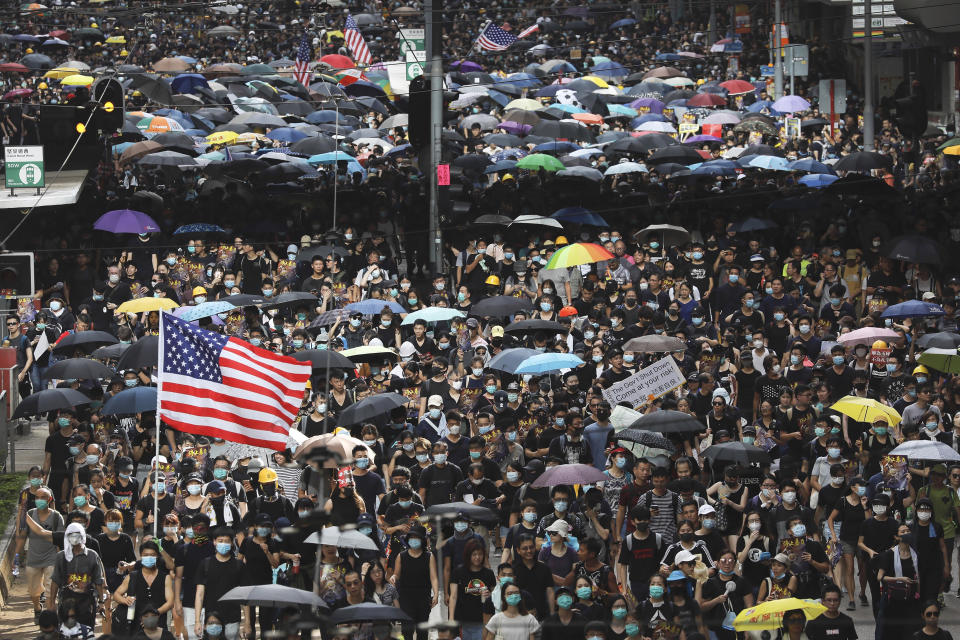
301,71
356,43
224,387
493,38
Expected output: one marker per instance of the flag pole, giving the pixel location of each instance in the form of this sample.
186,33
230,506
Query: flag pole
156,504
477,39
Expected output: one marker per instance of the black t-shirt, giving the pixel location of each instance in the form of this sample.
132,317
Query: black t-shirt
190,556
556,630
145,506
879,534
839,384
259,569
218,578
642,557
470,606
113,552
253,272
852,516
56,445
824,627
713,588
439,483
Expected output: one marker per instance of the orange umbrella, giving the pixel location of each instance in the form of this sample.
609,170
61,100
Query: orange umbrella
588,118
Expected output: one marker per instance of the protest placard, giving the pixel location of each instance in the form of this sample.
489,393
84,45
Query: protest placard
663,376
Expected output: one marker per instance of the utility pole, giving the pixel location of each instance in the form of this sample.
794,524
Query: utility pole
867,77
713,21
777,51
434,32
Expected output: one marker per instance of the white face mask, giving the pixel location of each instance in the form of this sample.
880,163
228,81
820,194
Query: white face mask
754,526
923,516
879,509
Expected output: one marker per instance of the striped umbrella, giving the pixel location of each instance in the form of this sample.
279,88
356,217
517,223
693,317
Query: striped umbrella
577,254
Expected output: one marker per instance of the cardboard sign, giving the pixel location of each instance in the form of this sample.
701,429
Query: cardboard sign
688,128
895,472
199,454
793,127
443,175
661,377
879,357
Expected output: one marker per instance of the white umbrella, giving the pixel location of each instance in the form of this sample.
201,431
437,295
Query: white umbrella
932,450
537,220
332,536
659,127
626,167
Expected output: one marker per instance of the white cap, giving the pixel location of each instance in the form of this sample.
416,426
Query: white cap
705,509
435,401
684,556
929,295
375,342
156,459
291,248
560,526
407,349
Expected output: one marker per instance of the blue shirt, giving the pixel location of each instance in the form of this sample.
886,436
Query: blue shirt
596,437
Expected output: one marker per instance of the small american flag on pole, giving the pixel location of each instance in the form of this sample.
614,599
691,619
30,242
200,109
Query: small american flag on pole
528,31
301,71
493,38
220,386
356,43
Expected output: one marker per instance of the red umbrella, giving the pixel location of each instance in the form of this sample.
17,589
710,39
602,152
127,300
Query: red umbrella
705,154
738,86
17,93
59,33
13,67
338,61
706,100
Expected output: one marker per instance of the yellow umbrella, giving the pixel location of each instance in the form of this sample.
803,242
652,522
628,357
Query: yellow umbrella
116,40
139,305
222,137
600,82
524,104
76,80
334,34
59,72
866,410
952,151
769,615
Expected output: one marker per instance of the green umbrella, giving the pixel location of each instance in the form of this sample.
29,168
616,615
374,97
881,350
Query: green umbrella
949,143
537,161
945,360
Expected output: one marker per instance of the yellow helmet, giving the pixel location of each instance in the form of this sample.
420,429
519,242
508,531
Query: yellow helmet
561,240
267,475
29,50
879,344
93,25
920,369
42,86
199,291
124,53
494,280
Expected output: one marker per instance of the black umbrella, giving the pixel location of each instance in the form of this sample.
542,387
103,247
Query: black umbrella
110,351
736,452
475,162
655,344
153,87
501,306
762,150
368,612
86,340
79,368
291,297
371,407
324,359
472,511
529,326
753,224
49,400
862,186
862,161
274,595
563,130
142,353
509,359
913,248
244,299
326,319
941,340
323,250
676,153
646,438
492,219
314,145
668,422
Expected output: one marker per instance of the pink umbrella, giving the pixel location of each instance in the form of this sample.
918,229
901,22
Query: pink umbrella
17,93
867,336
562,80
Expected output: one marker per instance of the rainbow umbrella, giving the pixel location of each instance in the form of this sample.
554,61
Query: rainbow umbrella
577,254
158,124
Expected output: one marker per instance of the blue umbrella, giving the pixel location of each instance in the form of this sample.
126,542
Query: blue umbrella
669,57
199,227
771,163
287,134
579,215
399,150
609,70
556,147
548,362
818,180
333,157
810,166
373,307
549,91
503,165
509,359
716,168
625,22
326,116
524,80
205,310
433,314
913,309
188,82
131,401
759,106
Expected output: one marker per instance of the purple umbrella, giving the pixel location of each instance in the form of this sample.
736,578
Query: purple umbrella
466,66
701,138
569,474
126,221
790,104
515,128
655,106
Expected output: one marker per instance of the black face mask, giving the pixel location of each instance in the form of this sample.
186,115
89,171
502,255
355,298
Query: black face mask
686,537
642,526
269,489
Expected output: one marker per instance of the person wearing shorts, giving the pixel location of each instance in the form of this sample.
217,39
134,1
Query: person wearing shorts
41,552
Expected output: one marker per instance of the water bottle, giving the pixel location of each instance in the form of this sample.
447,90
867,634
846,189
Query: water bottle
16,565
131,609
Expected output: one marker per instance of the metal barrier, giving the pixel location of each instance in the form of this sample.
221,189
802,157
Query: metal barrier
6,438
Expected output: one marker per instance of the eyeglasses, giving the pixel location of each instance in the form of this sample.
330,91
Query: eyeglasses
931,614
718,404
